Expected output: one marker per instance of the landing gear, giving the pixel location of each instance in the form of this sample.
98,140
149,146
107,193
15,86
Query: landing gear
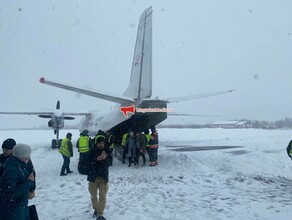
56,144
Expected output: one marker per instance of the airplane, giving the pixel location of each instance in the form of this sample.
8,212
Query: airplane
135,109
56,121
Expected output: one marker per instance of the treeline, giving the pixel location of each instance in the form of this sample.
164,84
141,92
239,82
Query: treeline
280,124
283,123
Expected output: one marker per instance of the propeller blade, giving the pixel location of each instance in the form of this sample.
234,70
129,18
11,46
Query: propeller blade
45,116
68,118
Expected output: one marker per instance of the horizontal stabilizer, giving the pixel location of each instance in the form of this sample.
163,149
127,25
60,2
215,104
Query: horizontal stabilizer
203,95
97,94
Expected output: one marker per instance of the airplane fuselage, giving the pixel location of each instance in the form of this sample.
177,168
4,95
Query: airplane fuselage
115,121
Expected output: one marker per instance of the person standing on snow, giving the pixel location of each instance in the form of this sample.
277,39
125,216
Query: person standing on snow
141,139
66,150
100,159
153,147
83,145
132,147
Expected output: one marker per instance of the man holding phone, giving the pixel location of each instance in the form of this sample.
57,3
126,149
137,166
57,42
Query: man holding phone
100,159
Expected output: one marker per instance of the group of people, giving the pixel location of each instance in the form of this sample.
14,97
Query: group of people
17,180
136,145
94,159
17,174
95,156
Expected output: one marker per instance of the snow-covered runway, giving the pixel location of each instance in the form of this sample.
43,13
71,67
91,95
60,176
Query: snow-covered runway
251,181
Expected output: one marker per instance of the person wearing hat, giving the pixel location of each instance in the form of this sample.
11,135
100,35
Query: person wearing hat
16,184
66,150
100,159
7,147
153,147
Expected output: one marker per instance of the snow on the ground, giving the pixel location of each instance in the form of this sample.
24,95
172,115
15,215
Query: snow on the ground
252,181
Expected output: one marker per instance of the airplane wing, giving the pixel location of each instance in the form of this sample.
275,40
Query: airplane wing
97,94
190,97
44,114
27,113
186,114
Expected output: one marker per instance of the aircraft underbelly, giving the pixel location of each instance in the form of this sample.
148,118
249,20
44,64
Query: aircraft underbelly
142,121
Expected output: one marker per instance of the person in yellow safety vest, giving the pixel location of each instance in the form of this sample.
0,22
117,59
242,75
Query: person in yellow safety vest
123,144
147,136
83,142
67,151
83,145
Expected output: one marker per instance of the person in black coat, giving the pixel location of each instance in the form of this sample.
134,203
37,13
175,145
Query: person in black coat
7,147
100,159
16,184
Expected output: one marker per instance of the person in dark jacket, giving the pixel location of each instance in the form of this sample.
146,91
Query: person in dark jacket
100,160
16,185
7,147
66,150
153,147
132,146
141,140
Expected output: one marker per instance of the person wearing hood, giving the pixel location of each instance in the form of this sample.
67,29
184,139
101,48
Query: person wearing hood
16,184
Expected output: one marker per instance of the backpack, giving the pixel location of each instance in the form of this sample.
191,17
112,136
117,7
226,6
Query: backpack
84,163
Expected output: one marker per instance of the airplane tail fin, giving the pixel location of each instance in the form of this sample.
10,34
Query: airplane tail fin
141,76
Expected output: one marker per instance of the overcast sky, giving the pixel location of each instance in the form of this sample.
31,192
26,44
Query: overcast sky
198,47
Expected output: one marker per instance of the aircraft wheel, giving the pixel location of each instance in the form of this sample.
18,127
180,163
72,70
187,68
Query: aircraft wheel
59,143
54,143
